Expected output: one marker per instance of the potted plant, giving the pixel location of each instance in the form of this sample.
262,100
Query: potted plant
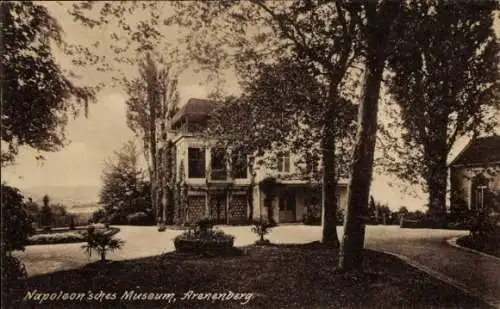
203,239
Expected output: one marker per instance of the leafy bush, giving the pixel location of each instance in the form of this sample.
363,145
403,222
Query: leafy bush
101,242
311,219
484,223
98,216
140,218
117,219
209,235
262,227
56,238
204,225
46,214
340,216
485,243
209,242
16,223
204,239
13,281
71,224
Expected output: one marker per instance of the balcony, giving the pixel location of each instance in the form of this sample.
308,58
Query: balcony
219,175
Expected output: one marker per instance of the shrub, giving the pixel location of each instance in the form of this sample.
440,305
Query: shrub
262,227
46,213
485,243
484,223
117,219
204,242
204,225
140,218
56,238
101,242
210,235
340,216
71,222
311,219
204,239
16,223
13,281
98,216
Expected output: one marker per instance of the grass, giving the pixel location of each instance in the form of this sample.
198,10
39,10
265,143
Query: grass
280,276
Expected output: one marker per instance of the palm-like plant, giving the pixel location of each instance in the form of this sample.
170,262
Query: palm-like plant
262,228
101,243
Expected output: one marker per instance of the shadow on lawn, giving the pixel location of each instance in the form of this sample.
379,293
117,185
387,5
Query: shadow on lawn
278,275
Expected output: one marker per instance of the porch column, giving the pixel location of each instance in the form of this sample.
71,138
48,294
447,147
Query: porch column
207,208
164,205
228,200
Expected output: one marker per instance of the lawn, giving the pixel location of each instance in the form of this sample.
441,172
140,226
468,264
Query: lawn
284,276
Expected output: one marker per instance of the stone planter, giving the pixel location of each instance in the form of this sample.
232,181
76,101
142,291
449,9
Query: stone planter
203,245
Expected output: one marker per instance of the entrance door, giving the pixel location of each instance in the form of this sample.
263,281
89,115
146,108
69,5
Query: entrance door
287,207
218,208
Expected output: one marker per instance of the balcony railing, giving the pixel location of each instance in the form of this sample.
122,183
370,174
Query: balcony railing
219,175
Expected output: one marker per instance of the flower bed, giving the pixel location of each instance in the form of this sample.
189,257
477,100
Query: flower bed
200,242
56,238
65,237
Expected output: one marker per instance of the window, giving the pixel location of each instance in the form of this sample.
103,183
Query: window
239,166
218,165
196,162
480,192
284,163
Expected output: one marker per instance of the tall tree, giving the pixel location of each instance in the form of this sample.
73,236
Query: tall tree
375,19
321,35
37,95
224,34
445,84
124,187
282,109
46,213
152,98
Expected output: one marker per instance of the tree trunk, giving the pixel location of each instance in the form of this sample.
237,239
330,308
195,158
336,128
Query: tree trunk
329,197
378,28
361,171
154,172
103,256
250,193
437,180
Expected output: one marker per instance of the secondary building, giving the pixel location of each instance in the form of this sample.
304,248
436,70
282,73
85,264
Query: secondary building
475,175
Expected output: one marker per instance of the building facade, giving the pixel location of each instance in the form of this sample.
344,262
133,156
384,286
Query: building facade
197,179
475,176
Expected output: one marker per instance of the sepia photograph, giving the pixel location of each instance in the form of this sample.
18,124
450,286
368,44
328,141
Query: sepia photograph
225,154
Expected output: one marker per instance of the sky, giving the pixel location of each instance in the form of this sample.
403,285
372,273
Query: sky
95,138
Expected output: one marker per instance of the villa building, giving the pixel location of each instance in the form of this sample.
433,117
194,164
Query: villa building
205,181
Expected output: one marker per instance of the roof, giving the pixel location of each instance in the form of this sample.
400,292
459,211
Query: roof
194,108
480,151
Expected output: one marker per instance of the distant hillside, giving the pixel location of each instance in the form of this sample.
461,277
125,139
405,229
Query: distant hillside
76,198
